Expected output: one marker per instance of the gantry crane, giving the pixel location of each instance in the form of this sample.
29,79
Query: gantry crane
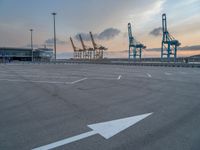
87,51
169,43
135,47
98,49
77,51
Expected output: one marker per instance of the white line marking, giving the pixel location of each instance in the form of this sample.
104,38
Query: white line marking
78,81
49,82
105,129
39,76
17,80
168,74
119,77
149,75
101,78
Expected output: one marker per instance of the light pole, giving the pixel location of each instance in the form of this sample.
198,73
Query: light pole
54,14
31,30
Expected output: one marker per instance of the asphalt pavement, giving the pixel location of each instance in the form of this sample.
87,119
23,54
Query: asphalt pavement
44,103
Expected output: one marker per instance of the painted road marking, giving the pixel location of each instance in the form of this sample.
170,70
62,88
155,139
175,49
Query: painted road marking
149,75
105,129
101,78
49,82
119,77
78,81
38,76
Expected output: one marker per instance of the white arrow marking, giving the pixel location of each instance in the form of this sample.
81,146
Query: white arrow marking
105,129
119,77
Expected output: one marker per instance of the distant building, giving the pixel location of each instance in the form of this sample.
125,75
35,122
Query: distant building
43,54
15,54
8,54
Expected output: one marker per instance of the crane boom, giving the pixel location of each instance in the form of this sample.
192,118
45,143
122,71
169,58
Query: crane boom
73,46
82,43
93,42
98,49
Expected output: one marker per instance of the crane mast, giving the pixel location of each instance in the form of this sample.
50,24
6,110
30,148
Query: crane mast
135,47
169,43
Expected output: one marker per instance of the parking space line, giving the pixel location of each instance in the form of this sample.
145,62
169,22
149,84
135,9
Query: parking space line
78,81
49,82
38,76
119,77
149,75
33,81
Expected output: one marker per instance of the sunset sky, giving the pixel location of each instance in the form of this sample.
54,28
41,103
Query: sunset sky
107,19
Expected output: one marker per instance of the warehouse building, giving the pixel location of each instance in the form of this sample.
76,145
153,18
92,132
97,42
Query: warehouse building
8,54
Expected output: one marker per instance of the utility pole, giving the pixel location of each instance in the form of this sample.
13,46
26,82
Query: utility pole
54,20
31,30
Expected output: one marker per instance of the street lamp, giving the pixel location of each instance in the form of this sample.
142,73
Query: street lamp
54,14
31,30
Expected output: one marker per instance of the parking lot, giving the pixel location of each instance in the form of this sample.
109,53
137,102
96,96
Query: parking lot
44,103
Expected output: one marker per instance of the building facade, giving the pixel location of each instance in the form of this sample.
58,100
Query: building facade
8,54
42,54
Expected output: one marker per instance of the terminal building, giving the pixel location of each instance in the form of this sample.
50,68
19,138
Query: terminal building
8,54
43,54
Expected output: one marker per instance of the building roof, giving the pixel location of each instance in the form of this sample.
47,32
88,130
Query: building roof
14,48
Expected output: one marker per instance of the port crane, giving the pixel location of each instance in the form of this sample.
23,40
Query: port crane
87,51
77,51
169,43
135,47
98,49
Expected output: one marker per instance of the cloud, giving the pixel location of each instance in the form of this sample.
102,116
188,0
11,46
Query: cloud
155,9
50,42
85,36
156,31
185,48
193,47
106,34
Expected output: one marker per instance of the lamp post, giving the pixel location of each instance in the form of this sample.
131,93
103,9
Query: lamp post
54,14
31,30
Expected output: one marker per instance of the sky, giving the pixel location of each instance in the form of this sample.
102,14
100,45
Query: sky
107,19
